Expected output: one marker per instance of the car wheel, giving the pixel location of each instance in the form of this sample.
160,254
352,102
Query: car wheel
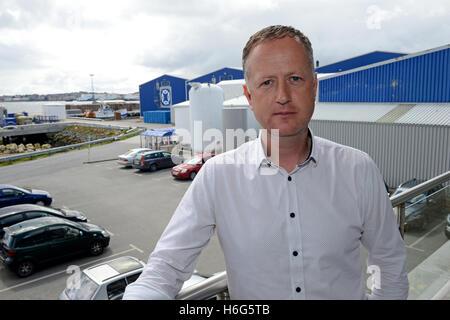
40,203
192,175
153,167
96,248
25,268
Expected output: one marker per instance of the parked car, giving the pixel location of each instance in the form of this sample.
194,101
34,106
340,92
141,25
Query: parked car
190,168
127,158
11,195
108,280
416,208
21,212
105,281
153,160
36,242
447,227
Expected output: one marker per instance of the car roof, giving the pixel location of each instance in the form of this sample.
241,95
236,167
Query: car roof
410,183
113,268
155,151
9,210
7,186
34,224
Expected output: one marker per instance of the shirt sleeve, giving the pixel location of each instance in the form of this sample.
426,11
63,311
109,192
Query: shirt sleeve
174,258
387,252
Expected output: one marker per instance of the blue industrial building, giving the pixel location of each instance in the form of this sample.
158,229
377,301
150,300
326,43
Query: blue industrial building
359,61
162,92
217,76
167,90
413,78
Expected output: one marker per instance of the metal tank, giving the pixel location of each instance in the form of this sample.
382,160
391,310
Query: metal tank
205,113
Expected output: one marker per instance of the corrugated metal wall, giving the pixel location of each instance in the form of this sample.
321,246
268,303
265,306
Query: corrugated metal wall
401,151
420,78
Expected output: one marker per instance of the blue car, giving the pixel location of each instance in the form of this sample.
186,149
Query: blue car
11,195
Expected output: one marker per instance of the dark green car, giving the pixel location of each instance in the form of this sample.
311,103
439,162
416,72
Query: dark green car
39,241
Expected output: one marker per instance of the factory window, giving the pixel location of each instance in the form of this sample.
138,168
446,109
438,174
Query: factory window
165,83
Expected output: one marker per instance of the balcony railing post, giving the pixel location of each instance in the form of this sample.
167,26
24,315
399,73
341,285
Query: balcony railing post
400,213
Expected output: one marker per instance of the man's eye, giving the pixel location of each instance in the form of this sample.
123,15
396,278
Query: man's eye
266,83
294,78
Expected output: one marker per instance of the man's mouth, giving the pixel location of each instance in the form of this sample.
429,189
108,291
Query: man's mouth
284,113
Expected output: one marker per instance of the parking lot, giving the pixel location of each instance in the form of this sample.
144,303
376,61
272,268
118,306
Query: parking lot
134,207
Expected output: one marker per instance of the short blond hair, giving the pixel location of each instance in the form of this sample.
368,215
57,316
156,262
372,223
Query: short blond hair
272,33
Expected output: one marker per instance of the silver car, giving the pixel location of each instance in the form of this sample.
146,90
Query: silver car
127,158
108,280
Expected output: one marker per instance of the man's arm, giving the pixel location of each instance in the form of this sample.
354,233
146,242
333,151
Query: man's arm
174,258
382,239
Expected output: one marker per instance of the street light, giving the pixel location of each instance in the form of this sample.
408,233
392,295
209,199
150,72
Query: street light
92,87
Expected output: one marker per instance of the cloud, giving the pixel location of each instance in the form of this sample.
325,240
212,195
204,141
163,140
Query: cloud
376,15
53,45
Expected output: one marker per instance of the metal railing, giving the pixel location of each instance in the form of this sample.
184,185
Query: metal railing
68,147
217,284
398,201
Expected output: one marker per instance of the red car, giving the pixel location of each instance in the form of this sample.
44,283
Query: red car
190,168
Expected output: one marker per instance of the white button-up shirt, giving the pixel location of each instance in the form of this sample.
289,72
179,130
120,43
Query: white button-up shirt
284,235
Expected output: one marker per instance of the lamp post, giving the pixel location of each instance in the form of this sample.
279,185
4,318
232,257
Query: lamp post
92,87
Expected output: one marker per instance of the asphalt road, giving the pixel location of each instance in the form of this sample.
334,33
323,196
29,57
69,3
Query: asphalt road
134,207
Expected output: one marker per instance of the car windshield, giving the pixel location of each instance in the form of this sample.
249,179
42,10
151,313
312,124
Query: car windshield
397,192
194,161
60,212
415,200
129,153
23,189
82,288
7,240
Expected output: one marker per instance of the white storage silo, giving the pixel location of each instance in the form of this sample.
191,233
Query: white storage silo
205,113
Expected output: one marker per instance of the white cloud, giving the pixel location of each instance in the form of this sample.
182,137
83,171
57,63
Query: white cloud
376,15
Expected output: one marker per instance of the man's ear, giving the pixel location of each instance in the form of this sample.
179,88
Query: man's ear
248,96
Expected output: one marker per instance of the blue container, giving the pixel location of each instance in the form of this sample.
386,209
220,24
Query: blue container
160,116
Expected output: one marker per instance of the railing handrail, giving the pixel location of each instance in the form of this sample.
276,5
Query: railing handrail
205,289
419,189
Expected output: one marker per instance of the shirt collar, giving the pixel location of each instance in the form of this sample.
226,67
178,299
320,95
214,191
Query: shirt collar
261,159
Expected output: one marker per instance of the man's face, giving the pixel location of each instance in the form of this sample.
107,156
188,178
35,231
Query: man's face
280,87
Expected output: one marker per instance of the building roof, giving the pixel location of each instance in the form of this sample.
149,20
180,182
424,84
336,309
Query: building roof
403,57
358,61
427,113
420,113
365,112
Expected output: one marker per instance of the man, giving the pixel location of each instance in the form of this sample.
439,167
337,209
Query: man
290,216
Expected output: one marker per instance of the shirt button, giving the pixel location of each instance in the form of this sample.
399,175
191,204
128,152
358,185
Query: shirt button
295,253
289,178
298,289
292,215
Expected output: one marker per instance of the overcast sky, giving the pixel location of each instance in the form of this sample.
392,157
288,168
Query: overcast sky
52,46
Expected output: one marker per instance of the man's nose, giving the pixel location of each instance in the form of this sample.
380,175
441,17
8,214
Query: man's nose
283,94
